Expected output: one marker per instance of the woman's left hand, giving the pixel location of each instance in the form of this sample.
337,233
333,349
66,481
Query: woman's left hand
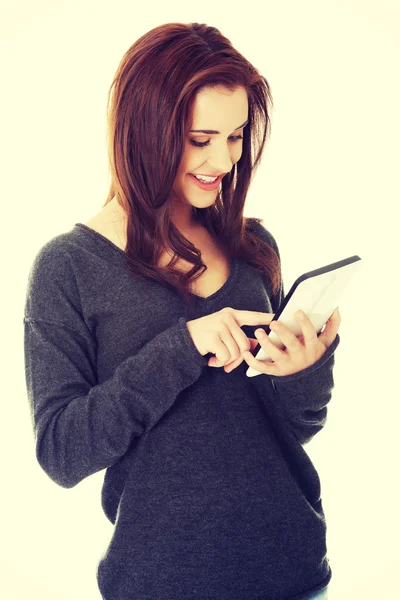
300,352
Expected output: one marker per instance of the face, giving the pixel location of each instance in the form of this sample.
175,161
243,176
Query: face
209,153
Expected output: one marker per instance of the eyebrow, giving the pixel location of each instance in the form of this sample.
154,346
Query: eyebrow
213,131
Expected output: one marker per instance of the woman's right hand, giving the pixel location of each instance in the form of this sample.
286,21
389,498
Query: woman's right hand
220,333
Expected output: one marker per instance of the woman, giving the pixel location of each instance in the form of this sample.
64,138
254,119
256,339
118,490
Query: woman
207,483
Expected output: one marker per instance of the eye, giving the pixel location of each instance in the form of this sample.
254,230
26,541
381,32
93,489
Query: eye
232,138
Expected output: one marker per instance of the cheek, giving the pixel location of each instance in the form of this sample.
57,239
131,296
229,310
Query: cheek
237,152
188,162
192,159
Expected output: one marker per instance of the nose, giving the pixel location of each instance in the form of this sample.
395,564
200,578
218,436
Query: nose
220,161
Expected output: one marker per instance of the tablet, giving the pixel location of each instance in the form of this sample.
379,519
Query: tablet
316,293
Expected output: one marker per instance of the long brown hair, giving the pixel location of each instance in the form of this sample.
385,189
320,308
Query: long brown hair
150,111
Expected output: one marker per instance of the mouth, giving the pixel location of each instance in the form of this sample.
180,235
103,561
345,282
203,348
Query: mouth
207,186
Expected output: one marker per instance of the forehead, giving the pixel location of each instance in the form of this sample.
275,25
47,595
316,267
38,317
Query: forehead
219,108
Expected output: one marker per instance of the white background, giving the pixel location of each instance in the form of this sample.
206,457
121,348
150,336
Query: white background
328,188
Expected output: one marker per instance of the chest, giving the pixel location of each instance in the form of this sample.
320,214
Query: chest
215,257
213,254
123,314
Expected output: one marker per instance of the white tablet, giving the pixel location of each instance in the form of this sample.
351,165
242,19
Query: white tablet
316,293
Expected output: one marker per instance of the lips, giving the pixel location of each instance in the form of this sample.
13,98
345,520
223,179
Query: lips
207,186
207,175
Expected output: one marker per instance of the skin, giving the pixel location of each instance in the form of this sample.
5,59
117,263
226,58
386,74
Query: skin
216,109
300,352
222,111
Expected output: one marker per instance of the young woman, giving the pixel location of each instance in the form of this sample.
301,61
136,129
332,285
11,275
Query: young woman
207,482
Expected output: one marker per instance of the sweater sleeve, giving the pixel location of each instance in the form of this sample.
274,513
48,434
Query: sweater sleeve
297,402
81,426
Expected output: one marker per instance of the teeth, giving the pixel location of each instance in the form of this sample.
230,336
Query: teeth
206,179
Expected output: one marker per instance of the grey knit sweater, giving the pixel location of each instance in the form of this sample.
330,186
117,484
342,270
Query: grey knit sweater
211,492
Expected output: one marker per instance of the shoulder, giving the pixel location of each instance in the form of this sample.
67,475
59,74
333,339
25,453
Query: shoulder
51,278
53,257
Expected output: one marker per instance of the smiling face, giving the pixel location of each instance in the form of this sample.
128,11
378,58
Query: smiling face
225,113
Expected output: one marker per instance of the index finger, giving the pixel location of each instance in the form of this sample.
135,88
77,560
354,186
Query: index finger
250,317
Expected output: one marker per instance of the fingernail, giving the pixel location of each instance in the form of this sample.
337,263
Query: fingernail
299,315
